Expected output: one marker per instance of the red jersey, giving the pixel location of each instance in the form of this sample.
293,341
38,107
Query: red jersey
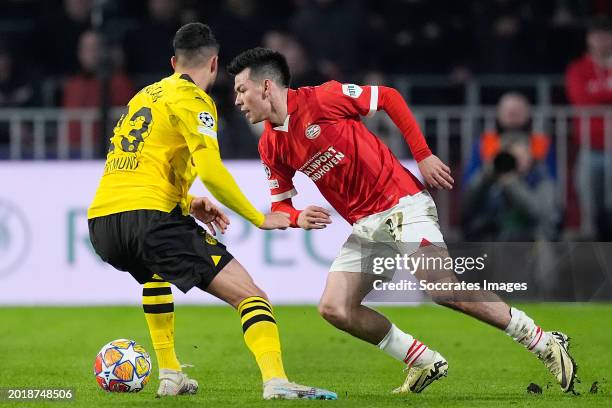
589,84
324,138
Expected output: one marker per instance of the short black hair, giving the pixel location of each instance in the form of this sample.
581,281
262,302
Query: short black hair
263,62
600,23
193,41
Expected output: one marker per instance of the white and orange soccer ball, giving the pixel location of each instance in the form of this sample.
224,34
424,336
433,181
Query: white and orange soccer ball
122,366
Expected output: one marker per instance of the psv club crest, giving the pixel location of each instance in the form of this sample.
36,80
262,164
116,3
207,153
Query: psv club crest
313,131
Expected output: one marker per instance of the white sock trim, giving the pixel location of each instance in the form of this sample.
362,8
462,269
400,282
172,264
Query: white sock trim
523,329
404,347
396,342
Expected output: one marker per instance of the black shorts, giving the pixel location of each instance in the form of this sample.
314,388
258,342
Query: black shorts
148,242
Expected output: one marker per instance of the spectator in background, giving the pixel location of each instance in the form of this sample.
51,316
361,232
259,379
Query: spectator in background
507,35
303,72
16,89
332,31
512,199
149,47
239,15
565,34
589,83
60,36
419,36
513,118
84,90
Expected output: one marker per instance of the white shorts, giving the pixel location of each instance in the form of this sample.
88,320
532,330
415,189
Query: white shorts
399,230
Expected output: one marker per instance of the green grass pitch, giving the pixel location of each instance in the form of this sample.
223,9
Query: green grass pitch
55,347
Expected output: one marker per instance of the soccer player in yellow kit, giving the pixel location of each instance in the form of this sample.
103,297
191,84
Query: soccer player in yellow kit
139,220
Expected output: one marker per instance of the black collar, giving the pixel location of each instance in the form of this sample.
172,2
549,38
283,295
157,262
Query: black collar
187,78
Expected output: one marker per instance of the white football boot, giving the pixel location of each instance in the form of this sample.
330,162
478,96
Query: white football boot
278,388
559,362
419,377
172,382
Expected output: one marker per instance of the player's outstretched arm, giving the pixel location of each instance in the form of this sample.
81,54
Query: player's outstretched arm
275,220
392,102
197,122
435,173
286,207
311,217
221,184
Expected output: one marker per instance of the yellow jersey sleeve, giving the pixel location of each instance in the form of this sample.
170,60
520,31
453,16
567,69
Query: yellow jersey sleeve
195,115
196,118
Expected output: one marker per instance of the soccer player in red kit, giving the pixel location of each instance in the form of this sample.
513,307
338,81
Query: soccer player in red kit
318,131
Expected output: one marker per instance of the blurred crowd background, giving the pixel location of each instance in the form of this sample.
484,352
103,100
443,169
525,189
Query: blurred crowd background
55,40
515,94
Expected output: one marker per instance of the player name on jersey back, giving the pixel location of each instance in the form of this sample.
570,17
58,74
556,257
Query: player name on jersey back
149,164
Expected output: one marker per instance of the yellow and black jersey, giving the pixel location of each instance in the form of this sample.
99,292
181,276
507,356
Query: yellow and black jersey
166,138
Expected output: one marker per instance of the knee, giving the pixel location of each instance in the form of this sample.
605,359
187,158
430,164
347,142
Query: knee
337,315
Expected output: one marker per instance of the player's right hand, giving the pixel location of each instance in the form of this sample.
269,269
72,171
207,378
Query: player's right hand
313,217
205,211
436,173
275,220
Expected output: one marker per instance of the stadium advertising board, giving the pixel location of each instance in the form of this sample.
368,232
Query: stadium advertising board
46,256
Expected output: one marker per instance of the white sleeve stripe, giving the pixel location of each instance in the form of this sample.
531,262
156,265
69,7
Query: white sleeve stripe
373,101
284,196
207,132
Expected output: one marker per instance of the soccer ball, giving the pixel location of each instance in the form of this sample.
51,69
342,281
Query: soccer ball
122,366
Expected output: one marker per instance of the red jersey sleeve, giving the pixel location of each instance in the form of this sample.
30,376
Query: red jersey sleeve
280,176
349,100
346,100
280,179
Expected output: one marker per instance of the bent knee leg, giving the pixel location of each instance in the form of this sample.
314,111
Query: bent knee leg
336,314
234,284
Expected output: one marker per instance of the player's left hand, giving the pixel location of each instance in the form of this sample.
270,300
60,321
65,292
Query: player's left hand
436,173
205,211
314,217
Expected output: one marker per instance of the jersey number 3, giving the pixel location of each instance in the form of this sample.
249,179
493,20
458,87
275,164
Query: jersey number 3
139,122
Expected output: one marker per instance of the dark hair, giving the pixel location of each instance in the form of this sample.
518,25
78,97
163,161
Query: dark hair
600,23
263,62
193,41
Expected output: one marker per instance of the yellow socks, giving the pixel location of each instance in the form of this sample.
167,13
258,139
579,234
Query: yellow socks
158,306
261,336
258,325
